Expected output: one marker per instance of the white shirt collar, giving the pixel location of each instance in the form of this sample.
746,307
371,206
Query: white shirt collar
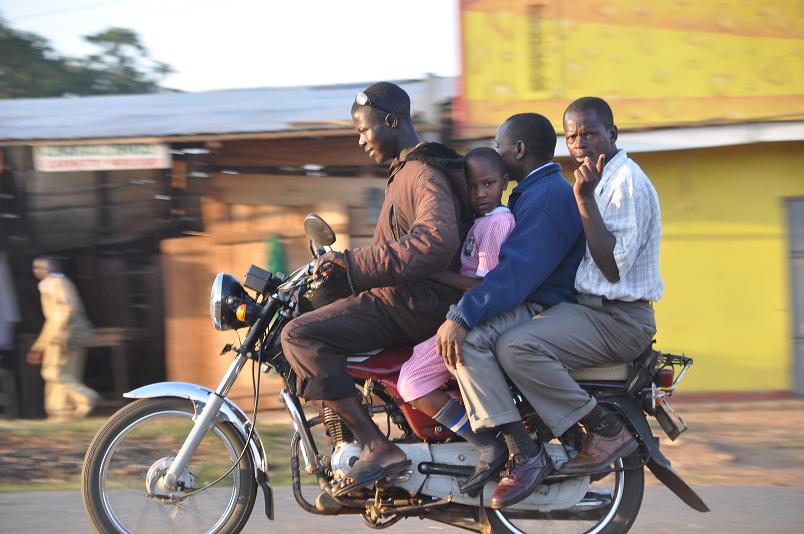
537,169
498,209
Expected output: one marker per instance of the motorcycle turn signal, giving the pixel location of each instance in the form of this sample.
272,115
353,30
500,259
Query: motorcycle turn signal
246,313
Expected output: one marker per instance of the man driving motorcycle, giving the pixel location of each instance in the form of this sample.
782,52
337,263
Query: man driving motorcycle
421,224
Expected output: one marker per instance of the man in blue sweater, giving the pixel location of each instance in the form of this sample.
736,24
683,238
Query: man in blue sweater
537,269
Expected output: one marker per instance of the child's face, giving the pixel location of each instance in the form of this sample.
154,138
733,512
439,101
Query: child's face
486,185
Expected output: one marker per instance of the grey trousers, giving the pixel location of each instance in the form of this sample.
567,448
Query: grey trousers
539,355
484,387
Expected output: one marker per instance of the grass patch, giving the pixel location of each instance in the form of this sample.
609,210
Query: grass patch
41,455
48,429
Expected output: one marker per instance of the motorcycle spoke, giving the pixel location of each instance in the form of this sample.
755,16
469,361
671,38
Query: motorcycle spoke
149,444
576,520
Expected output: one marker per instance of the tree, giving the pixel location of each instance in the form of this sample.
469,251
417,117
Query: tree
29,67
123,65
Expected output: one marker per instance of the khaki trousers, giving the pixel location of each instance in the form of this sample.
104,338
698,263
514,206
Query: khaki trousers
62,371
484,388
538,355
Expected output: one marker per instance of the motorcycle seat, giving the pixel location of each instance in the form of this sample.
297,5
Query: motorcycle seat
643,364
381,362
620,371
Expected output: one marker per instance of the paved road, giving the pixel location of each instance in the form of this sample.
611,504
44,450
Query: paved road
778,510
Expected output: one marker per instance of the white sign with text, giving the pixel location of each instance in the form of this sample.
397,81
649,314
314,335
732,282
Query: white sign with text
66,158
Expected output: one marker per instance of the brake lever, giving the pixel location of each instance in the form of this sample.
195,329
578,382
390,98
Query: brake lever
300,278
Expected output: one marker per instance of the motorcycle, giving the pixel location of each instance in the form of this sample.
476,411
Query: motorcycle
183,458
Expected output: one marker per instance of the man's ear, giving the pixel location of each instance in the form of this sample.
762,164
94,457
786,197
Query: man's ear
391,120
613,133
519,149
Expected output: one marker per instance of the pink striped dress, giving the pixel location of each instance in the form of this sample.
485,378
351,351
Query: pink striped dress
426,371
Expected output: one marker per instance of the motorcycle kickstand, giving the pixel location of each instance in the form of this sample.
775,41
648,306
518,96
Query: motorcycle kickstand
483,518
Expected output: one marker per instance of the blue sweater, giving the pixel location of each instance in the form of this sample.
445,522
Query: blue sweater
539,259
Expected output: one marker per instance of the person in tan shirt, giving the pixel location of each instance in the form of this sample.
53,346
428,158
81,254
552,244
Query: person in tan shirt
61,345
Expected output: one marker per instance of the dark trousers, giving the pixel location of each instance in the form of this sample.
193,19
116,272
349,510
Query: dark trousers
317,343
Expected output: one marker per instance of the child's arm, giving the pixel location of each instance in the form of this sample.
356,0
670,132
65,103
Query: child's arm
458,281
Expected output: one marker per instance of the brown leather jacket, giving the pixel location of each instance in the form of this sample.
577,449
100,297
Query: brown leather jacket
422,222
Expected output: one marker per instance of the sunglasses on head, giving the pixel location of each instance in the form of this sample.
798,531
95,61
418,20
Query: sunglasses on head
362,99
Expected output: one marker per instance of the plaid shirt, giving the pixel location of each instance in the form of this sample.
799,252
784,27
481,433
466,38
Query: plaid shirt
629,206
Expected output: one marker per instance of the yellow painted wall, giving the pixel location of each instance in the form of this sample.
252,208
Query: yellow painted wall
657,63
724,253
724,261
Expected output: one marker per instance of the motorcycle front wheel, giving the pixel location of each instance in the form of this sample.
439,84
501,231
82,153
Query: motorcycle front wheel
610,506
132,451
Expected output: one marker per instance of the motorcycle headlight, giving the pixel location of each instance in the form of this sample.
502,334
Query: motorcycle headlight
223,316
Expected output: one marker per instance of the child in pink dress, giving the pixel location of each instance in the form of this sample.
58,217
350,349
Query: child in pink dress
422,376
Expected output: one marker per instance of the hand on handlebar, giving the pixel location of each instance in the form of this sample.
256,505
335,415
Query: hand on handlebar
324,262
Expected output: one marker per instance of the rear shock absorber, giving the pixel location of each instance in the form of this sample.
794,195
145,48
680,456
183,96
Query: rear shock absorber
336,429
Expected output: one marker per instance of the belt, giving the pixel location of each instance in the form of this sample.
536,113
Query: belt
596,301
615,301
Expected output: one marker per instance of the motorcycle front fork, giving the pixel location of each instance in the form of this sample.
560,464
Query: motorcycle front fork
203,422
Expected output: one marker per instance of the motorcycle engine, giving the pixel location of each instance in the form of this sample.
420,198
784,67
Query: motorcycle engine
344,457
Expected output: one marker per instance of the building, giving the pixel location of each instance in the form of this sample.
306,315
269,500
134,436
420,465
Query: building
149,196
709,98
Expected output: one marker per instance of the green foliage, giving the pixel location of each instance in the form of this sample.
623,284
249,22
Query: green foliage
29,67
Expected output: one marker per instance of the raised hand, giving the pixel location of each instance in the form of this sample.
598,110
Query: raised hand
587,176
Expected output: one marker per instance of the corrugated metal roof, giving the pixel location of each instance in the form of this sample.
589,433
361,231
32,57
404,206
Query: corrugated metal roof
231,111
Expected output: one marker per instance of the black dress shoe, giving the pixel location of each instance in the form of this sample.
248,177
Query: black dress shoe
522,475
483,473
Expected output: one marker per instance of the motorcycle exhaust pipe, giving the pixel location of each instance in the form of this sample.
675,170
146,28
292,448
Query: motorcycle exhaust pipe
432,468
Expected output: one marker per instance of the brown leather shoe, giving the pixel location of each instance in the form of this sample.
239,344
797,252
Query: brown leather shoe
521,476
598,452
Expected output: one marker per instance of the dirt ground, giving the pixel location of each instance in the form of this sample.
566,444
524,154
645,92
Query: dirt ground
740,443
737,443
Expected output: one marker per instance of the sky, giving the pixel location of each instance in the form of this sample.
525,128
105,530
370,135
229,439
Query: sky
220,44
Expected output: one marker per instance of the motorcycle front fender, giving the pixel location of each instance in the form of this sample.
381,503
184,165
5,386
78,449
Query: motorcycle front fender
658,463
229,413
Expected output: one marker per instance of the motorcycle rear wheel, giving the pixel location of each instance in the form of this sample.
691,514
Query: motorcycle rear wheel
141,437
626,486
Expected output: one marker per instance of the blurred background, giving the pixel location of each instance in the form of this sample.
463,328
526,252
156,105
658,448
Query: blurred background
153,144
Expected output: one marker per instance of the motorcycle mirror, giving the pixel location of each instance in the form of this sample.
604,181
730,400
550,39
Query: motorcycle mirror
318,231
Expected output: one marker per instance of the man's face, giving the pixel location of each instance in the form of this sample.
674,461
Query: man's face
375,136
587,136
506,148
41,268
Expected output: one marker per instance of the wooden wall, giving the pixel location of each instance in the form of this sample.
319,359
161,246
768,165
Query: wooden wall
239,214
105,227
140,242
